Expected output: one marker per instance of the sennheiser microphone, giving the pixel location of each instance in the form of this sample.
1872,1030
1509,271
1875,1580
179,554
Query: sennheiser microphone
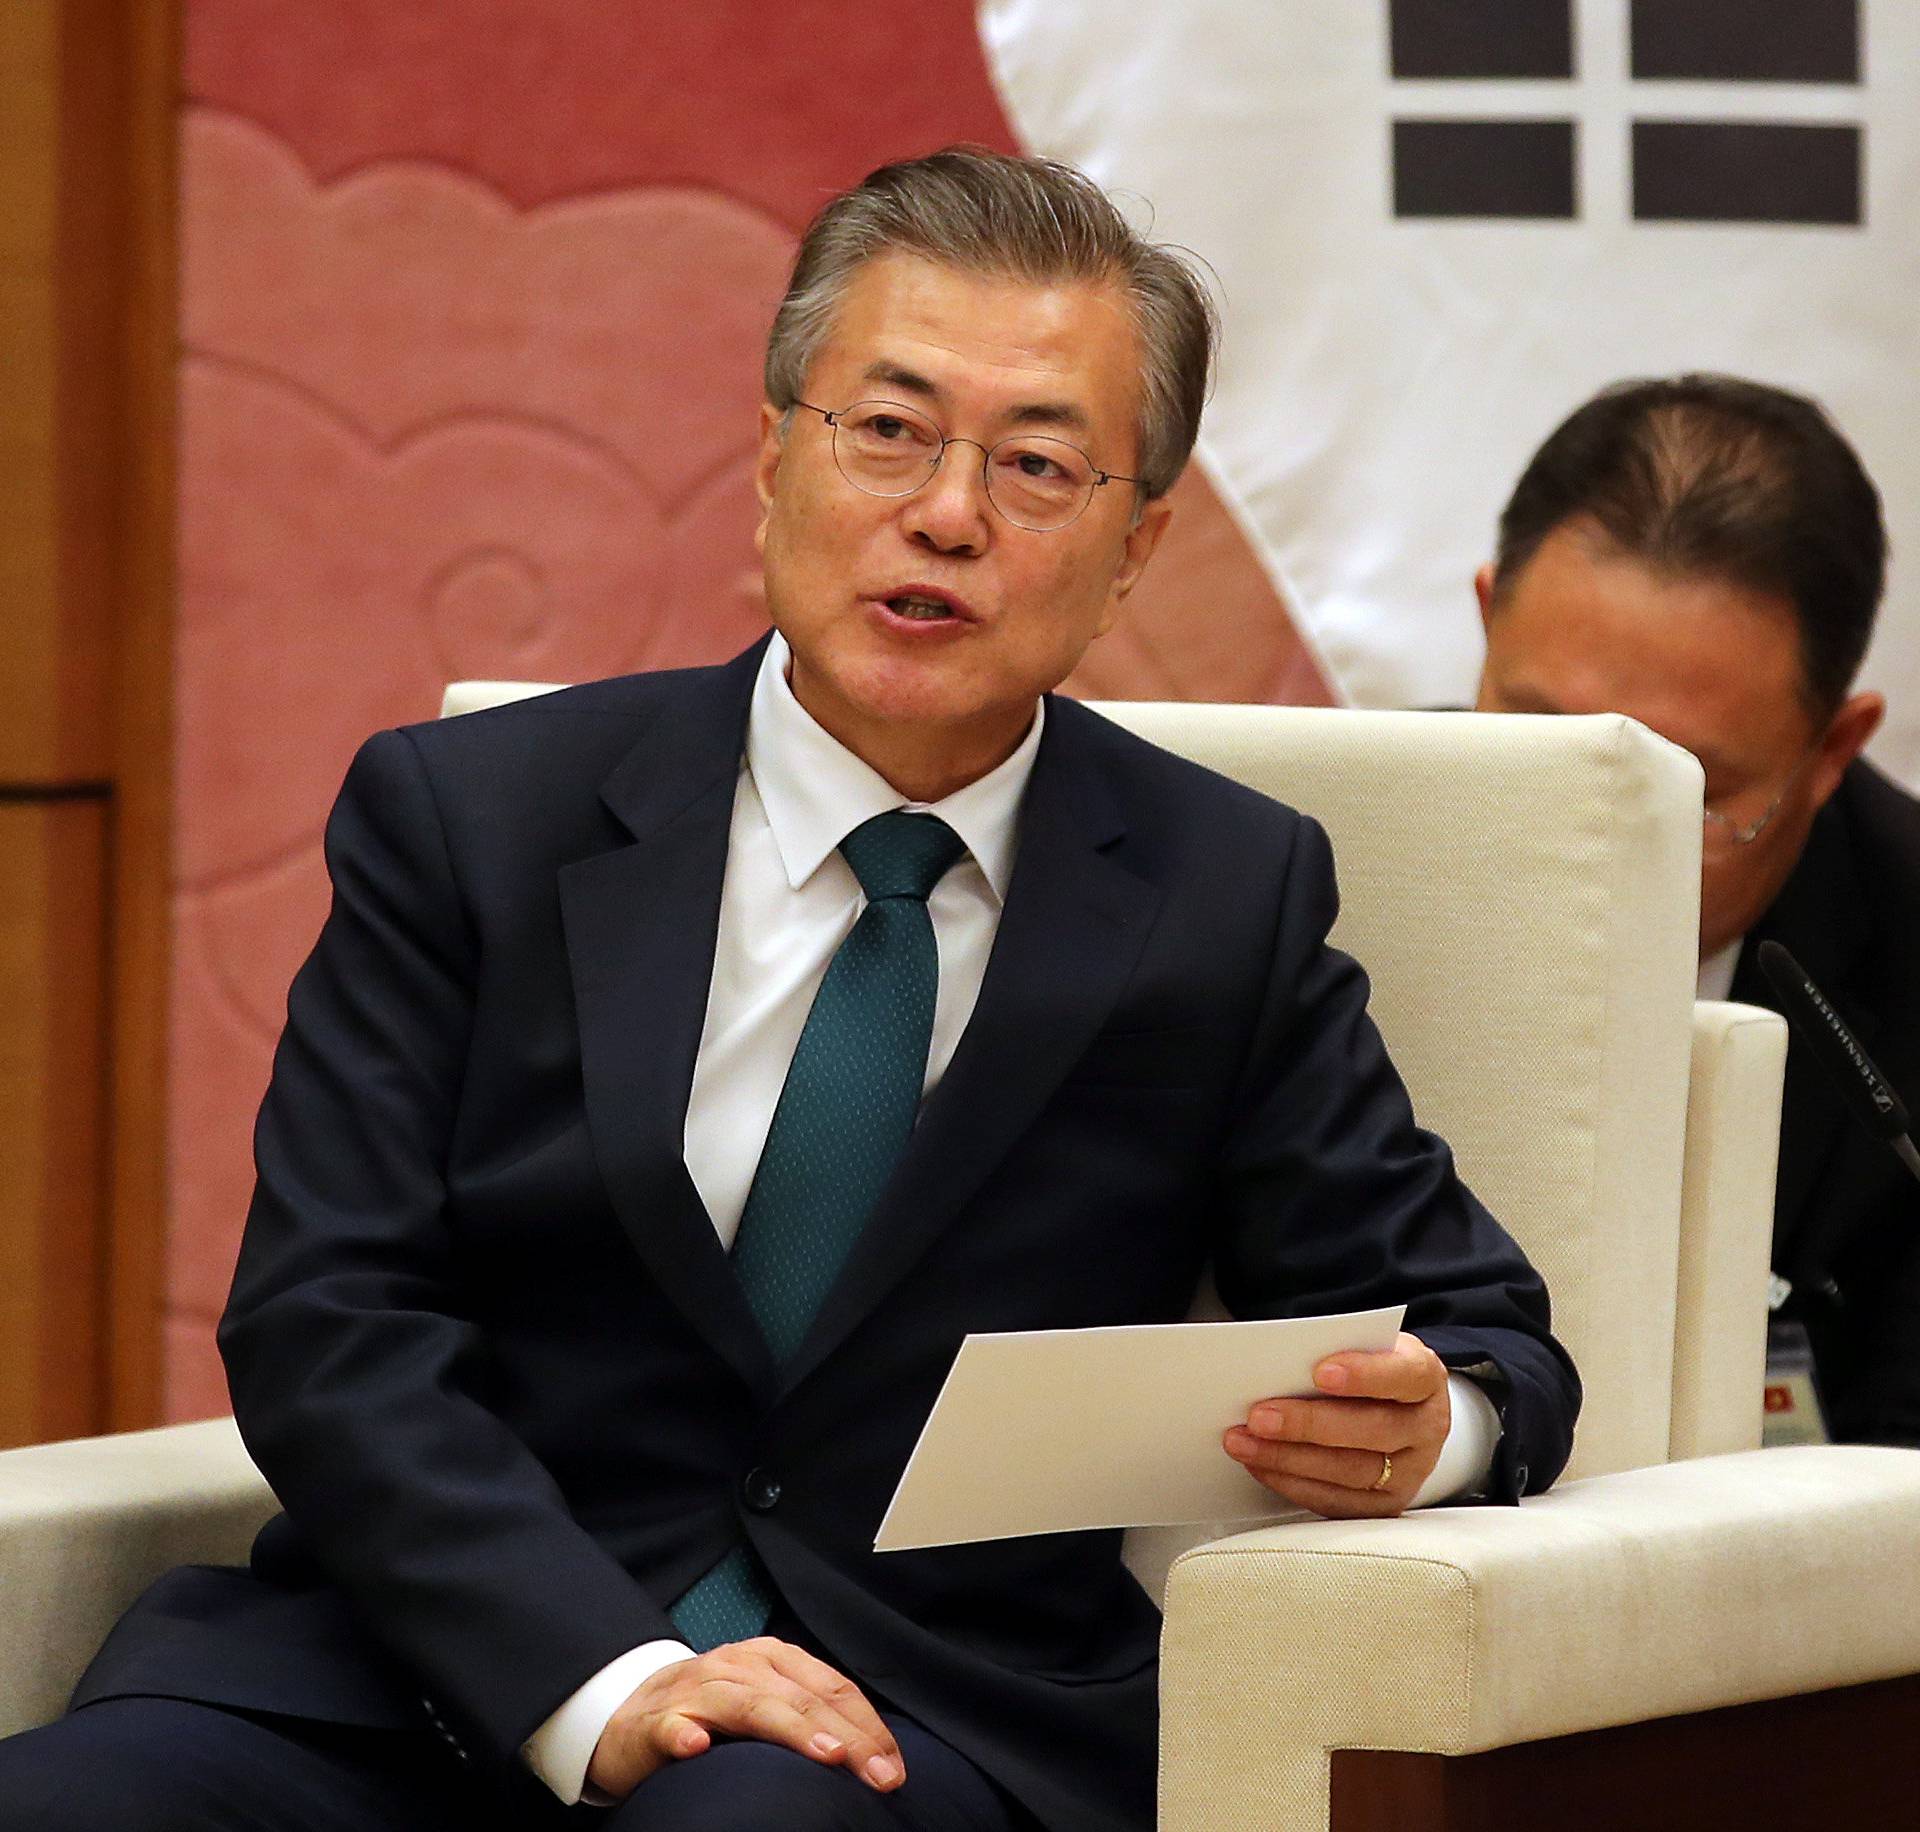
1867,1092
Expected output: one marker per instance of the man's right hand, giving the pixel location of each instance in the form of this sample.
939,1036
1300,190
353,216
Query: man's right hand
765,1689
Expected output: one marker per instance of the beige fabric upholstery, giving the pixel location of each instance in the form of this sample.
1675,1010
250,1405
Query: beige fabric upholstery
477,696
1524,893
85,1526
1733,1145
1683,1587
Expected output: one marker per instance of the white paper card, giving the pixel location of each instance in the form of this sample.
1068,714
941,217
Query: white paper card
1050,1431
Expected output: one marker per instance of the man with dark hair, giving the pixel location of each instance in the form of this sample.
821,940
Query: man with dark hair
1707,555
689,1062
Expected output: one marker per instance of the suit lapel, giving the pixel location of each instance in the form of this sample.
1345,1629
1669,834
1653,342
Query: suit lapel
1073,926
640,925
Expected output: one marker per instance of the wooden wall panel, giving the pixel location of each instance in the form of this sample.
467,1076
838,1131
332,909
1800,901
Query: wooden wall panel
144,334
87,334
31,734
52,960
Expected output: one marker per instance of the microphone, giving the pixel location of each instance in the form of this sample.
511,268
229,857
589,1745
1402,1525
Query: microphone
1866,1092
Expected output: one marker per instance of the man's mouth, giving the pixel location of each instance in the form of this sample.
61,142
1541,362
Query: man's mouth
926,604
919,610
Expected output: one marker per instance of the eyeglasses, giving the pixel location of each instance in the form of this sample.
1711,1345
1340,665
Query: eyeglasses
1723,830
887,449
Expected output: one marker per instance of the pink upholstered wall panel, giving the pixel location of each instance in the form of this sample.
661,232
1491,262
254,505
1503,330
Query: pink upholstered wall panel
472,303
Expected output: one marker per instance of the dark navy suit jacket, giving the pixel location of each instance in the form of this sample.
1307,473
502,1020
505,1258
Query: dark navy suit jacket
484,1341
1847,1212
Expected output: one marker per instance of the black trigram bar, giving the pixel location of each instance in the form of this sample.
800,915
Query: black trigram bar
1746,172
1748,41
1481,38
1483,168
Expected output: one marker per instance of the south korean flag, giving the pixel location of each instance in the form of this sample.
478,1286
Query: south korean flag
1441,224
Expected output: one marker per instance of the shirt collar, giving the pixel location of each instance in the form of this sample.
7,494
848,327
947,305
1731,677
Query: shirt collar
816,791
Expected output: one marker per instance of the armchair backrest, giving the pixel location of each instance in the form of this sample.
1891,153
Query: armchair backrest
1524,893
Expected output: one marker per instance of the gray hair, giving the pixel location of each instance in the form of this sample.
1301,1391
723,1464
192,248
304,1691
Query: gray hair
1034,220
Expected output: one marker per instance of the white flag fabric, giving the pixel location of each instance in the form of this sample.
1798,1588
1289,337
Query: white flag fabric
1386,375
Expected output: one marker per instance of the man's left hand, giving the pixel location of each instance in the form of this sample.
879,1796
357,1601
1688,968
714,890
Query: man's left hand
1386,1415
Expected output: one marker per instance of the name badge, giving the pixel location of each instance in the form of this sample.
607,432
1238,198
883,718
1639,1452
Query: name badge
1792,1412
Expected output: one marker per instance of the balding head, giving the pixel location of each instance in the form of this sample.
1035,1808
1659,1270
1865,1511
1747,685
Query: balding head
1712,477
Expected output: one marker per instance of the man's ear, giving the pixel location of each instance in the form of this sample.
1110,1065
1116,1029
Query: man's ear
1142,538
1483,590
766,466
1845,737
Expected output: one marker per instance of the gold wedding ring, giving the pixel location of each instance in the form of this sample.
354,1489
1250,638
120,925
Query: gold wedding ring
1386,1474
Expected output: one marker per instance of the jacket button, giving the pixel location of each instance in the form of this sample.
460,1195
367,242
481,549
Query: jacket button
760,1490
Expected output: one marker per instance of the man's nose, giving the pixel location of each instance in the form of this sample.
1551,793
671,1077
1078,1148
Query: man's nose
950,511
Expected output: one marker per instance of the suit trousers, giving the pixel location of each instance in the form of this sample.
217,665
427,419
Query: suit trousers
170,1765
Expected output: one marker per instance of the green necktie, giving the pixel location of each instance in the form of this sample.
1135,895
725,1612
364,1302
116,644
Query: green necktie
851,1094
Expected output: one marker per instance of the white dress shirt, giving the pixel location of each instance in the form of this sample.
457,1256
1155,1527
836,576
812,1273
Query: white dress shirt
789,900
786,904
1715,980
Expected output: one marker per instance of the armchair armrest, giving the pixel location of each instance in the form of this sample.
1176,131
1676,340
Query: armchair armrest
1751,1576
86,1525
1726,1229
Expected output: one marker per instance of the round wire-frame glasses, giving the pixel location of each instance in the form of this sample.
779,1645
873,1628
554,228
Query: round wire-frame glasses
886,448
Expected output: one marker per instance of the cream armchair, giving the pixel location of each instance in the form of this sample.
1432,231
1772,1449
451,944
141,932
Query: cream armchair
1523,892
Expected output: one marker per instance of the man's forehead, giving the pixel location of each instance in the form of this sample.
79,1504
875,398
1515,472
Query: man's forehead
923,331
1586,628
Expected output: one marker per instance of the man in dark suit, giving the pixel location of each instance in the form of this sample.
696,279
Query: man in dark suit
602,1267
1847,1235
1707,555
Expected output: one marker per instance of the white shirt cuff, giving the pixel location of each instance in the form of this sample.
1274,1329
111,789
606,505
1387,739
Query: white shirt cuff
1466,1458
560,1750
